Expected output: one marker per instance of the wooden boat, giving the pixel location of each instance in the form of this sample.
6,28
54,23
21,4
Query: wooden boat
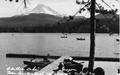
71,64
35,65
40,64
117,39
80,38
64,36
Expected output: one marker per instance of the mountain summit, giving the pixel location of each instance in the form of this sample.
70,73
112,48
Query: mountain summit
40,8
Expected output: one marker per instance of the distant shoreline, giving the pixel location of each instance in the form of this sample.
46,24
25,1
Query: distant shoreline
58,32
10,55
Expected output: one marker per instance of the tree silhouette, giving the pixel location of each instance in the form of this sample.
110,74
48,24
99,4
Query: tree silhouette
98,9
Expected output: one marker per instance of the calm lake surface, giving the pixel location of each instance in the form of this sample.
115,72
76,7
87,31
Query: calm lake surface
44,43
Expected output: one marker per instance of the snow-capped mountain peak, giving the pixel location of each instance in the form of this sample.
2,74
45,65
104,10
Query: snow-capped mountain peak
40,8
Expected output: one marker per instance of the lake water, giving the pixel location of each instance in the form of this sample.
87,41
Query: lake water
44,43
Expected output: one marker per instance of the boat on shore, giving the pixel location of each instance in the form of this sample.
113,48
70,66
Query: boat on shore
36,64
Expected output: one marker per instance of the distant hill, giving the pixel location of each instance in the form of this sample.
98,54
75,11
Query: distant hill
107,23
47,23
29,20
106,16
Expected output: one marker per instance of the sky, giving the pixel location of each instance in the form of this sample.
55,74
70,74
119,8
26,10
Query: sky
67,7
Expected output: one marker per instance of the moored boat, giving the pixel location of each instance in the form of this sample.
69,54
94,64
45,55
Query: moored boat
80,38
